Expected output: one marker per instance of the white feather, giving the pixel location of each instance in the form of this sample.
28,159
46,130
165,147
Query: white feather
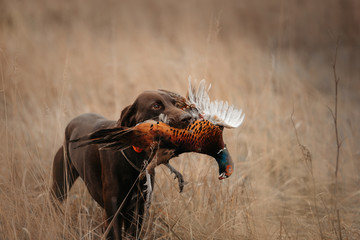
218,112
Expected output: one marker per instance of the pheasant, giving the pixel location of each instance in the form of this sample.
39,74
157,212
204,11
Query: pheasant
202,136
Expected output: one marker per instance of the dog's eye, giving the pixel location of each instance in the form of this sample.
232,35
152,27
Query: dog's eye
156,106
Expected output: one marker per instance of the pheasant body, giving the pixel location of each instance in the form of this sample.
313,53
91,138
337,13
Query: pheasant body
201,136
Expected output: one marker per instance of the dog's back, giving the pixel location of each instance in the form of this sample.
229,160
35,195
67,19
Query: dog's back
69,163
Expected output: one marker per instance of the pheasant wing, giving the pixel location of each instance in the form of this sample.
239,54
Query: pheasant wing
217,112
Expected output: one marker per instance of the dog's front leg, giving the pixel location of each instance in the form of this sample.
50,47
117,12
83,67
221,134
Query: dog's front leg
149,174
114,219
148,189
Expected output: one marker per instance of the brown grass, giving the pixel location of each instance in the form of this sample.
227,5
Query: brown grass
62,58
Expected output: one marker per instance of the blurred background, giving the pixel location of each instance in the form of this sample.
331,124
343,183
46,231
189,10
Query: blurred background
273,59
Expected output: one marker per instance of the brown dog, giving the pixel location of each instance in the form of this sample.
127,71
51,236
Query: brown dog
112,176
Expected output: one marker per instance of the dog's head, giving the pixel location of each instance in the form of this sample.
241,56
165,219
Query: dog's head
156,105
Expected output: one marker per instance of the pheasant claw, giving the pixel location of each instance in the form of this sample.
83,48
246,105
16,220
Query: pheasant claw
178,176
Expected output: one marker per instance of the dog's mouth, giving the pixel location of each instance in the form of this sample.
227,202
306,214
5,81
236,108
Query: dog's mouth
180,122
164,118
180,125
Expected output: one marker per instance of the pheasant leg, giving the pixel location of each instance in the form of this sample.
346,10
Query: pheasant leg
178,175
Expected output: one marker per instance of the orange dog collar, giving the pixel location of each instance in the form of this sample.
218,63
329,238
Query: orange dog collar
137,149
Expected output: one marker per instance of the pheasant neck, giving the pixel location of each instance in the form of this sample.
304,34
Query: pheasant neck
226,165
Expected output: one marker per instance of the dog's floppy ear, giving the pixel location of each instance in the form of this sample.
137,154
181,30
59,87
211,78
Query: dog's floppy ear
127,117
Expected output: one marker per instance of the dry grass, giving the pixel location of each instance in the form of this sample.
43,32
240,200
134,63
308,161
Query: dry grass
62,58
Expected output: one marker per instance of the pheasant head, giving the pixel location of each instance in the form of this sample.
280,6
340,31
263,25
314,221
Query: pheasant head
225,162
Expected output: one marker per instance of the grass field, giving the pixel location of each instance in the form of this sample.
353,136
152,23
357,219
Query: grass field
273,59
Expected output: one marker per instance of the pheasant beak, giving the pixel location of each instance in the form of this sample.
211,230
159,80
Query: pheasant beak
222,176
228,171
226,165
